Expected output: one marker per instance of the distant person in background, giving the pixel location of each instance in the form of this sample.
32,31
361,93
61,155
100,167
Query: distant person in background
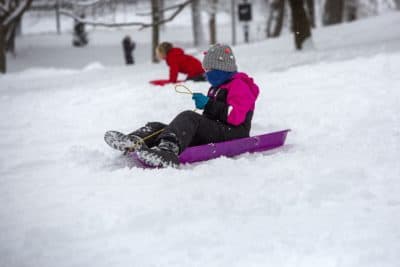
80,35
179,62
128,46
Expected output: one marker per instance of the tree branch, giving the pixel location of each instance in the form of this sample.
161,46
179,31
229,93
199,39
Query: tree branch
87,3
179,10
16,13
142,25
3,8
98,23
167,8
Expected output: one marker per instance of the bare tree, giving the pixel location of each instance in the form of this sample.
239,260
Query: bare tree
333,12
300,24
11,12
275,19
198,33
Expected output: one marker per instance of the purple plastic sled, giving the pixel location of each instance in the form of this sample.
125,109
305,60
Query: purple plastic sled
233,148
229,148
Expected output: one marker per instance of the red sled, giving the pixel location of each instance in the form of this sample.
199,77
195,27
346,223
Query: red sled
231,148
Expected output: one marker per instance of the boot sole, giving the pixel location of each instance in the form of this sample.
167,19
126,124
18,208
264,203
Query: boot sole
122,142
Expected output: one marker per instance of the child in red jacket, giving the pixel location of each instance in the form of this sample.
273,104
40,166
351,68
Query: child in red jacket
179,62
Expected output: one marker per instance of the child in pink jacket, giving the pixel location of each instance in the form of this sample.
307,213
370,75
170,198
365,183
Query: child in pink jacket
227,113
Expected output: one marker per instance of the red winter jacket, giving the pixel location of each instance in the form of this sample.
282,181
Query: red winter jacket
179,62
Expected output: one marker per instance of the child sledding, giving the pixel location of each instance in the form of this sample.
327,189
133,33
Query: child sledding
227,113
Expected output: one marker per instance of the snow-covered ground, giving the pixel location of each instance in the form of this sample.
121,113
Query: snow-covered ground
330,197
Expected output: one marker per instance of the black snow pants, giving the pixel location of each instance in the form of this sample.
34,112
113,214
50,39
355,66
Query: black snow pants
189,128
193,129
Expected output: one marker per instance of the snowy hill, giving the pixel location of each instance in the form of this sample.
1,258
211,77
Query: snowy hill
330,197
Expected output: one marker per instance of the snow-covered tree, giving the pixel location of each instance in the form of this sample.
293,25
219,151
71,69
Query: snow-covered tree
11,12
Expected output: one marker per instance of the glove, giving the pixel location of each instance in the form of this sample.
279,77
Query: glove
159,82
200,100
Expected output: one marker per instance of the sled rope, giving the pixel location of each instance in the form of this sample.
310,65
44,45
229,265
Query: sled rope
137,144
186,89
153,134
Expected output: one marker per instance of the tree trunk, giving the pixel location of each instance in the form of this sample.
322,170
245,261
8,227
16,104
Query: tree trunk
3,58
161,6
58,21
8,19
275,19
10,38
213,31
397,4
233,21
198,34
311,12
333,12
350,10
213,22
155,28
300,24
18,30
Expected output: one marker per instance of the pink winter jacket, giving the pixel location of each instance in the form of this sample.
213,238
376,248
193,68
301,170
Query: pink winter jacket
241,93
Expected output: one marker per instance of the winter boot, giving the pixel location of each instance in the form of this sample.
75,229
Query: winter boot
161,156
149,133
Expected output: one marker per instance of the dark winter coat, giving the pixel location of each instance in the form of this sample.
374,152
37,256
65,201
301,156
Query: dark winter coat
179,62
128,46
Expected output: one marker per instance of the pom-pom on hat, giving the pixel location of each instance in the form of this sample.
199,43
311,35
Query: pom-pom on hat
219,57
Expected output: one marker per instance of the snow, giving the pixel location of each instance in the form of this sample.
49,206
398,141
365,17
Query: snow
330,197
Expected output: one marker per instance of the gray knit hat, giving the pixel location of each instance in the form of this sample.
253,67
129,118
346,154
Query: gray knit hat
219,57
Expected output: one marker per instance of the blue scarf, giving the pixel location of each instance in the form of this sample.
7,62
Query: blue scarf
218,77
